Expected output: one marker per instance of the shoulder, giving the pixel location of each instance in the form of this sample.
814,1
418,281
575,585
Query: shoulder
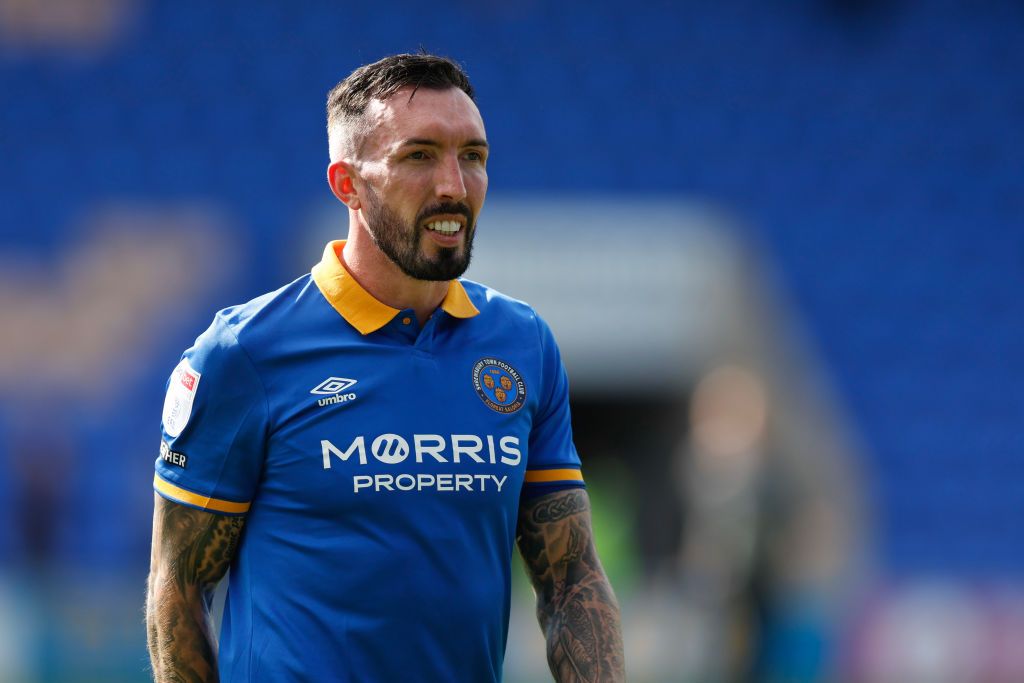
497,309
248,333
493,304
246,318
252,322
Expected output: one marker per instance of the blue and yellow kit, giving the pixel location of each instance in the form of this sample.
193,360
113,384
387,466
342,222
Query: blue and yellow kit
379,464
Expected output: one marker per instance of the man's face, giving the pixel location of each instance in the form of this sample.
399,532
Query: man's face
424,175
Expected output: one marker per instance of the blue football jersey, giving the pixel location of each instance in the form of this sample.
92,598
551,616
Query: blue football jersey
379,464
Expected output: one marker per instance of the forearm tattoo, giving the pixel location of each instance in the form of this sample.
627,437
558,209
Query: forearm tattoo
192,550
576,607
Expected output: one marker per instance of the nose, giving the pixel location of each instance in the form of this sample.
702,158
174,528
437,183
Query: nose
449,183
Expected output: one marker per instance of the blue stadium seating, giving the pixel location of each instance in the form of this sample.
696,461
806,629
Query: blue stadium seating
879,155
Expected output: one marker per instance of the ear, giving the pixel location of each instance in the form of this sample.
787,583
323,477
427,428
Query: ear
340,177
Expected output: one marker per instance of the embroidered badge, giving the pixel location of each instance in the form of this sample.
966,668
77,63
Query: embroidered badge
499,385
181,394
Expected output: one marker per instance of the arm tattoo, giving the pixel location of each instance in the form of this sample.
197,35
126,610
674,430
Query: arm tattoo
575,603
192,550
553,509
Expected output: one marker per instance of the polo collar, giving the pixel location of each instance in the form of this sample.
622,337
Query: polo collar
359,307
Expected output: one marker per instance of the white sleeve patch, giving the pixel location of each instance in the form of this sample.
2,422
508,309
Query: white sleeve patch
181,394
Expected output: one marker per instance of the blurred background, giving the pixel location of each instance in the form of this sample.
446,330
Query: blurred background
781,244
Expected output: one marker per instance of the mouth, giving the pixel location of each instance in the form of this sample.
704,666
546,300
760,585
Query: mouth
446,229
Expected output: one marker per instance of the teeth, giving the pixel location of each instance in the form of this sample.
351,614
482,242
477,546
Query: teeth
444,227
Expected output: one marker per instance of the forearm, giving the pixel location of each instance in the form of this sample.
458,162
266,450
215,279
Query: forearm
583,631
181,642
192,550
575,603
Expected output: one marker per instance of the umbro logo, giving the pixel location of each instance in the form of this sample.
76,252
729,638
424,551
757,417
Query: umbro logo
332,389
333,385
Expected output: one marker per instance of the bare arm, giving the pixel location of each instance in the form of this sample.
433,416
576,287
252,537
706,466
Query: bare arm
576,607
191,553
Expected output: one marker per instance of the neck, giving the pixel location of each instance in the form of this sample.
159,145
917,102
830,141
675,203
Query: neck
379,276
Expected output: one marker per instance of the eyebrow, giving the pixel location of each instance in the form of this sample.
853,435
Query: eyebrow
475,142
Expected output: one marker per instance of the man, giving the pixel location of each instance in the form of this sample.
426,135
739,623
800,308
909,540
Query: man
342,446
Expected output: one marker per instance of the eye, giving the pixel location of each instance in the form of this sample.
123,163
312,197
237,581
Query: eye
418,155
474,156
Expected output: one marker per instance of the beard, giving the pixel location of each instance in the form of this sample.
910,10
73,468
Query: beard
401,242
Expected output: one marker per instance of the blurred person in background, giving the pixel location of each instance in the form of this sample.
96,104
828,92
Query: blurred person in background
337,557
766,537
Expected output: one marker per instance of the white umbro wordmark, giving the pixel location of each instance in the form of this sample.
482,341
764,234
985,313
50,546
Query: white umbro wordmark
333,385
332,388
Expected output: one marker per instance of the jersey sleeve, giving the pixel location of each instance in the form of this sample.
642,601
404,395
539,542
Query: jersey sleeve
553,463
214,426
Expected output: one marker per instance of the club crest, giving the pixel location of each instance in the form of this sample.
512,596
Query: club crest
499,385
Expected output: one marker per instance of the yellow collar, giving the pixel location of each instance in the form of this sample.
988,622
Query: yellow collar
358,306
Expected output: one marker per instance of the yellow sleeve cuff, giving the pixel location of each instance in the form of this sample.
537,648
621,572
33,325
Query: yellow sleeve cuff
545,476
180,495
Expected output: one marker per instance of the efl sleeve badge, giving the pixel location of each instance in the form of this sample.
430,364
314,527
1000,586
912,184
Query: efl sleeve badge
181,394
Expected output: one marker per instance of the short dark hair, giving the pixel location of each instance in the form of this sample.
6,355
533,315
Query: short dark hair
347,101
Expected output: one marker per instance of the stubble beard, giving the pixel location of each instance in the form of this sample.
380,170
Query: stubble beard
401,242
